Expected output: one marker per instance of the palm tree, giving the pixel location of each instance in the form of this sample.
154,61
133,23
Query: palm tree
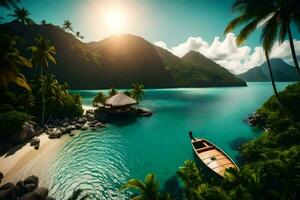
67,26
55,94
9,3
10,61
22,15
276,13
79,35
112,92
137,92
148,189
42,53
43,22
190,175
256,13
100,98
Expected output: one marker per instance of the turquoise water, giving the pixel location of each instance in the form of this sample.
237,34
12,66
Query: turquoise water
101,161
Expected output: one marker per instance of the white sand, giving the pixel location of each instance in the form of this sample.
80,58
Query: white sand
28,161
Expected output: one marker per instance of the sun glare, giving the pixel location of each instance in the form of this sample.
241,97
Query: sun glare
115,21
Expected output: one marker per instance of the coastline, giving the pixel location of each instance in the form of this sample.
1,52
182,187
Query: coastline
23,161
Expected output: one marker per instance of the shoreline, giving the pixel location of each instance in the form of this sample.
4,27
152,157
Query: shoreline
23,161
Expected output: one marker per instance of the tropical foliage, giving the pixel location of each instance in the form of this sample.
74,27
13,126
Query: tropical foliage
100,98
67,26
10,62
22,15
137,92
8,3
42,53
146,190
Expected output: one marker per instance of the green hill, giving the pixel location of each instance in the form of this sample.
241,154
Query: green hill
195,70
281,70
120,61
116,61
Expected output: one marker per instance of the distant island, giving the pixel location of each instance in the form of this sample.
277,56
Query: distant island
122,60
283,72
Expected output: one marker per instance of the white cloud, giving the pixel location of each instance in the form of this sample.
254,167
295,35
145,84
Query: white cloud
227,54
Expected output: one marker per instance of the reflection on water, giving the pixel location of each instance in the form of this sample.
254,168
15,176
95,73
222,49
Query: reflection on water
101,161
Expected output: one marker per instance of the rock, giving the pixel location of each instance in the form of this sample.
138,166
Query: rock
7,186
82,120
55,134
78,126
99,125
66,119
63,130
32,180
26,133
71,134
1,176
50,198
24,189
35,141
8,194
42,191
72,127
32,196
66,124
90,117
85,127
37,147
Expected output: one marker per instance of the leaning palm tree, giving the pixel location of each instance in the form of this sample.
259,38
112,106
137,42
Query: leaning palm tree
255,13
266,12
22,15
137,92
148,189
42,53
10,61
8,3
67,26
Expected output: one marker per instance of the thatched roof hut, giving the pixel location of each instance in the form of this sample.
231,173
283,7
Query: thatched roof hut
120,100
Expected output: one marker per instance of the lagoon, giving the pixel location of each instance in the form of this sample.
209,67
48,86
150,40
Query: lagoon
101,161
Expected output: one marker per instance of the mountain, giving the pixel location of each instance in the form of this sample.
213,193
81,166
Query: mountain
281,70
195,70
116,61
119,61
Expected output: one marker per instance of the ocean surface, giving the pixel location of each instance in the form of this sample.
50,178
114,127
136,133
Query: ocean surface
99,162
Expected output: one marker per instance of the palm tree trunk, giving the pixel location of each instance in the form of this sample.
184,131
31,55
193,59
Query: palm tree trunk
284,111
43,98
293,49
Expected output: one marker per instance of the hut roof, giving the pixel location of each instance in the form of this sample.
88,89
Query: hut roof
120,99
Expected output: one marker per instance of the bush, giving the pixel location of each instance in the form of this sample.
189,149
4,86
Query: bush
11,123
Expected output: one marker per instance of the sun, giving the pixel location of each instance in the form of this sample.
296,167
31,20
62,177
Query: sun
115,21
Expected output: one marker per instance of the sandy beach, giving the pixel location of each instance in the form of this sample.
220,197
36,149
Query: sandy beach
23,161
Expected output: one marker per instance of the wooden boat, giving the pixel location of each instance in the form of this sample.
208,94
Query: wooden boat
211,156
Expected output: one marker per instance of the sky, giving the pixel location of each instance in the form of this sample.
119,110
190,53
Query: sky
176,25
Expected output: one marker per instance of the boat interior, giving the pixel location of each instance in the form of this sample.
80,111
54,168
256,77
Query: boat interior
212,156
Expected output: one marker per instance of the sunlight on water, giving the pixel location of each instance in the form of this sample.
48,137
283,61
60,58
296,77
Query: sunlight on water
100,162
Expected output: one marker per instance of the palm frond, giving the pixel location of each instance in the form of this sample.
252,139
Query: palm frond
246,31
269,34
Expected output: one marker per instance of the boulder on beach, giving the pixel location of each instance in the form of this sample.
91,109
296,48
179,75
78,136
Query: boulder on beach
78,126
9,194
1,176
32,180
35,141
42,191
85,127
82,120
55,134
